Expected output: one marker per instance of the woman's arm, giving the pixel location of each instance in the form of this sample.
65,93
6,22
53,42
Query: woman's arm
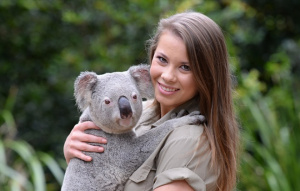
175,186
78,140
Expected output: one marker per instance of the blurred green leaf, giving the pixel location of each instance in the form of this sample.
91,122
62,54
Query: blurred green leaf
17,179
28,155
52,165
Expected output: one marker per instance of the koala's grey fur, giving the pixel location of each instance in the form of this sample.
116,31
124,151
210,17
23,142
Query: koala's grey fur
124,152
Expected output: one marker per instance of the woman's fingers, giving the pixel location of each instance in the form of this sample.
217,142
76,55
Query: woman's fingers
74,148
82,156
85,125
84,137
78,133
78,141
88,148
85,147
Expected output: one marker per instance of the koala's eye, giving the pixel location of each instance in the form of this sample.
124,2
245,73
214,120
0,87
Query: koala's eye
107,101
134,96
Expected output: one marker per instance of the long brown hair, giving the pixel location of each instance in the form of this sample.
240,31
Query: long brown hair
208,58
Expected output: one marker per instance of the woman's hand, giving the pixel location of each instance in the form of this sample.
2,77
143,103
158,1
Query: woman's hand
78,141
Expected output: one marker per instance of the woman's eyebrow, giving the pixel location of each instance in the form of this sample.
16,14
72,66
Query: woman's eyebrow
185,63
162,54
166,57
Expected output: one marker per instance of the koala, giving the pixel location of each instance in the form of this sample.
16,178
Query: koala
113,101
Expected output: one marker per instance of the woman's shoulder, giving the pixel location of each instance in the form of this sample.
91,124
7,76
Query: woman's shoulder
186,154
187,140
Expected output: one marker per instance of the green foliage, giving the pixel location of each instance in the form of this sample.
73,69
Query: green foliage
26,168
270,130
21,167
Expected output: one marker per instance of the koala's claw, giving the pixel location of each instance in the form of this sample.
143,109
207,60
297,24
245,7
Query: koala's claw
196,118
193,118
181,113
173,115
201,119
195,113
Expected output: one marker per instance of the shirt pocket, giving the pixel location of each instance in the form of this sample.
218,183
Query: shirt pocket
141,179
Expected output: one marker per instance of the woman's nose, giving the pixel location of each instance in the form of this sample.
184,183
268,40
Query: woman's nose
168,74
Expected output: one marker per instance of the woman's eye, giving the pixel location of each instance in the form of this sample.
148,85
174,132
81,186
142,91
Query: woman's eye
162,59
185,67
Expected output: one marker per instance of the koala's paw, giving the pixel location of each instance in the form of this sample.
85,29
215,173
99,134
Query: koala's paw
194,118
181,113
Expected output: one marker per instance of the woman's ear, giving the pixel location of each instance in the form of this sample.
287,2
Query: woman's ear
83,87
142,78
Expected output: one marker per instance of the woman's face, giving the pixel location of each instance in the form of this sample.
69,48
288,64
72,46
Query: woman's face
171,75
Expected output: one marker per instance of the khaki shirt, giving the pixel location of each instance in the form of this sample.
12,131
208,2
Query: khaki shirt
184,154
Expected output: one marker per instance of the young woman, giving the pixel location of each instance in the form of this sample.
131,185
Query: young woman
189,70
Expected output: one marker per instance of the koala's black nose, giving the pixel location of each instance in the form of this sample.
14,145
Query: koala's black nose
125,108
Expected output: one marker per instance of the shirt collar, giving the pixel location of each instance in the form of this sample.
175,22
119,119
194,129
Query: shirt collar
190,106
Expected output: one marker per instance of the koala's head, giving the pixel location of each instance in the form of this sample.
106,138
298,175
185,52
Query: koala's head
114,99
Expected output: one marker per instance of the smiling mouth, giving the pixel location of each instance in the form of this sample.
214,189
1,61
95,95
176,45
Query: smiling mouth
167,89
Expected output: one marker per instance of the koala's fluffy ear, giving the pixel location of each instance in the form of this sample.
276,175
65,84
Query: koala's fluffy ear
141,75
83,87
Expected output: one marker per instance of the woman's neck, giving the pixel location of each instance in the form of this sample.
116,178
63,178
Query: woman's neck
164,110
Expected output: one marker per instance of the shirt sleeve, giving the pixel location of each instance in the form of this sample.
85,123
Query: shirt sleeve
185,156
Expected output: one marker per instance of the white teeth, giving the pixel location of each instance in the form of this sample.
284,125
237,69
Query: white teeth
168,89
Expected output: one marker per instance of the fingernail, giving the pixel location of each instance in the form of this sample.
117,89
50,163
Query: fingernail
101,149
104,141
89,158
